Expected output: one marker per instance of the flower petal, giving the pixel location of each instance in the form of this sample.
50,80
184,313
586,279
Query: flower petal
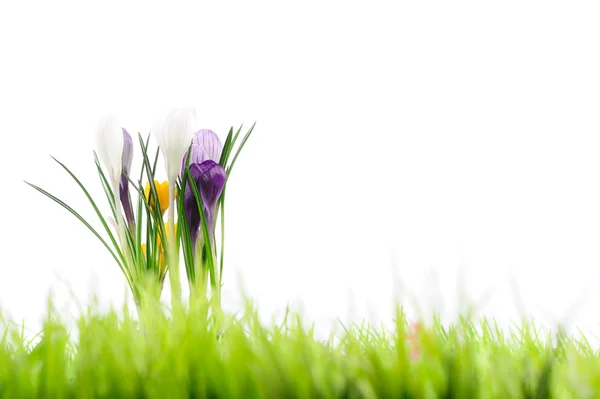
109,142
206,145
174,134
124,195
210,144
162,192
127,153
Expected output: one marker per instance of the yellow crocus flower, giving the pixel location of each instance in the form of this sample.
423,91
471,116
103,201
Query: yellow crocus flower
162,191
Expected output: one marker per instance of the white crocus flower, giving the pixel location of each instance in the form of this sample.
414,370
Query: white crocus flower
109,143
174,135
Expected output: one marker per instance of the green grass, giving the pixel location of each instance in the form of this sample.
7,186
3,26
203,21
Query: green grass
180,356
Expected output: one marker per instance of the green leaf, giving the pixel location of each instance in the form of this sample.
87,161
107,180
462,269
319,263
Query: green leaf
144,149
105,186
246,137
155,211
78,216
222,206
138,229
89,197
229,143
227,146
207,244
186,242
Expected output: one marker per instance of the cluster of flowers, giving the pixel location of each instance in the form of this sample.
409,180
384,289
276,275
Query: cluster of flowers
144,246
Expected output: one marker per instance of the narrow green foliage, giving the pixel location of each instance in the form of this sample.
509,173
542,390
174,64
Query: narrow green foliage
184,355
105,185
224,162
116,254
237,153
184,233
154,213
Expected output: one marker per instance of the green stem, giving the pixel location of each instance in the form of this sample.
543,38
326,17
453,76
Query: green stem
121,229
218,278
222,237
215,293
173,257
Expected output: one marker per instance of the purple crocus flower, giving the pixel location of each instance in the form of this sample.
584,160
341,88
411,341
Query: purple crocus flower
209,177
206,145
126,160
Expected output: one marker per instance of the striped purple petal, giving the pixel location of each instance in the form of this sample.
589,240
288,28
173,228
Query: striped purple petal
206,145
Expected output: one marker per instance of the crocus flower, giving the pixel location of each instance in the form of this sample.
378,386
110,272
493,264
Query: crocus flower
174,135
126,159
206,145
162,191
209,177
109,142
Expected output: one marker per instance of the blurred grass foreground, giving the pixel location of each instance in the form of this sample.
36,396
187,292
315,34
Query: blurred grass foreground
185,353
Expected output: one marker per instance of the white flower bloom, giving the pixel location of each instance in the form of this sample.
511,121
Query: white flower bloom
174,135
109,143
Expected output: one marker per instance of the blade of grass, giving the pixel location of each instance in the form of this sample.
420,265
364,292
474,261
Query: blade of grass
227,147
78,216
155,211
222,202
237,153
105,186
183,227
93,203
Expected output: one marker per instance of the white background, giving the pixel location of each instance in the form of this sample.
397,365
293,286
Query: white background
407,142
